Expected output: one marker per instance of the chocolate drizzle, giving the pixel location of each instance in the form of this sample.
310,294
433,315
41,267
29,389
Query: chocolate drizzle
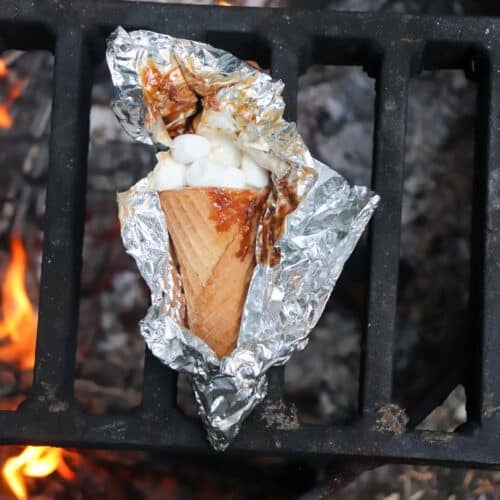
283,200
168,97
237,206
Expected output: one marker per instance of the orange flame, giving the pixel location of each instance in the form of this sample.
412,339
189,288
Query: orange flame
226,3
18,325
34,461
5,118
13,93
18,333
3,68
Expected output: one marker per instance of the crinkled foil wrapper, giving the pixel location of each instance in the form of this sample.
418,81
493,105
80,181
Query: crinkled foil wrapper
285,301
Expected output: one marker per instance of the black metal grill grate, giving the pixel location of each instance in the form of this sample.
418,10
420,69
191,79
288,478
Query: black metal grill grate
392,48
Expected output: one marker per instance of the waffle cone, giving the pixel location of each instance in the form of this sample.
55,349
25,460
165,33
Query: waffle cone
213,233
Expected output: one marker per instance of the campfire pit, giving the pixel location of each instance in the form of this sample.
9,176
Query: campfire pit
392,48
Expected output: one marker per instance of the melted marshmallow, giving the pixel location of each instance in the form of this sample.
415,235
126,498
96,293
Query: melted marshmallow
211,161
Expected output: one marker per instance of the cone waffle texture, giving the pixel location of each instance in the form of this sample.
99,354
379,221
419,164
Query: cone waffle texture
216,257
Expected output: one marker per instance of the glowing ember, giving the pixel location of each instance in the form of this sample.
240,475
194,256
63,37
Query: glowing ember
5,118
14,91
18,324
34,461
226,3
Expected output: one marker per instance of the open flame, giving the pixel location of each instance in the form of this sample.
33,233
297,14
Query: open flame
3,68
17,345
14,90
18,321
34,461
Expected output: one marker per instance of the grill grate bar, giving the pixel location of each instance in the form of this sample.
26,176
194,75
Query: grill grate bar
486,247
285,66
388,163
159,394
65,207
355,441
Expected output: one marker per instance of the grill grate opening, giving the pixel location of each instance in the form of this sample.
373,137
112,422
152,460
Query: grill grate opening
449,415
340,119
25,92
433,287
323,380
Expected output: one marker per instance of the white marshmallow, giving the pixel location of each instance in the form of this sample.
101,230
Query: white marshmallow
168,174
205,172
255,176
198,162
195,173
187,148
232,178
224,151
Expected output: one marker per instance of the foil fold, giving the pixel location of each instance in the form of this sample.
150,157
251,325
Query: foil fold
285,300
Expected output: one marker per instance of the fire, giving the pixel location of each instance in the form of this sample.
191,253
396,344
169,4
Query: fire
34,461
226,3
3,68
17,345
14,91
18,324
5,118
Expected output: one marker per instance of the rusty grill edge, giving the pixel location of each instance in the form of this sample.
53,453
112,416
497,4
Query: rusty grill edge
392,48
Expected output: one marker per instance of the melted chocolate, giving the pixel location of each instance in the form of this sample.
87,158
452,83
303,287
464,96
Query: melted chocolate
236,206
283,200
168,96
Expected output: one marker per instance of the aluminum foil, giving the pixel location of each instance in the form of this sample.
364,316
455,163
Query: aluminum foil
285,300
